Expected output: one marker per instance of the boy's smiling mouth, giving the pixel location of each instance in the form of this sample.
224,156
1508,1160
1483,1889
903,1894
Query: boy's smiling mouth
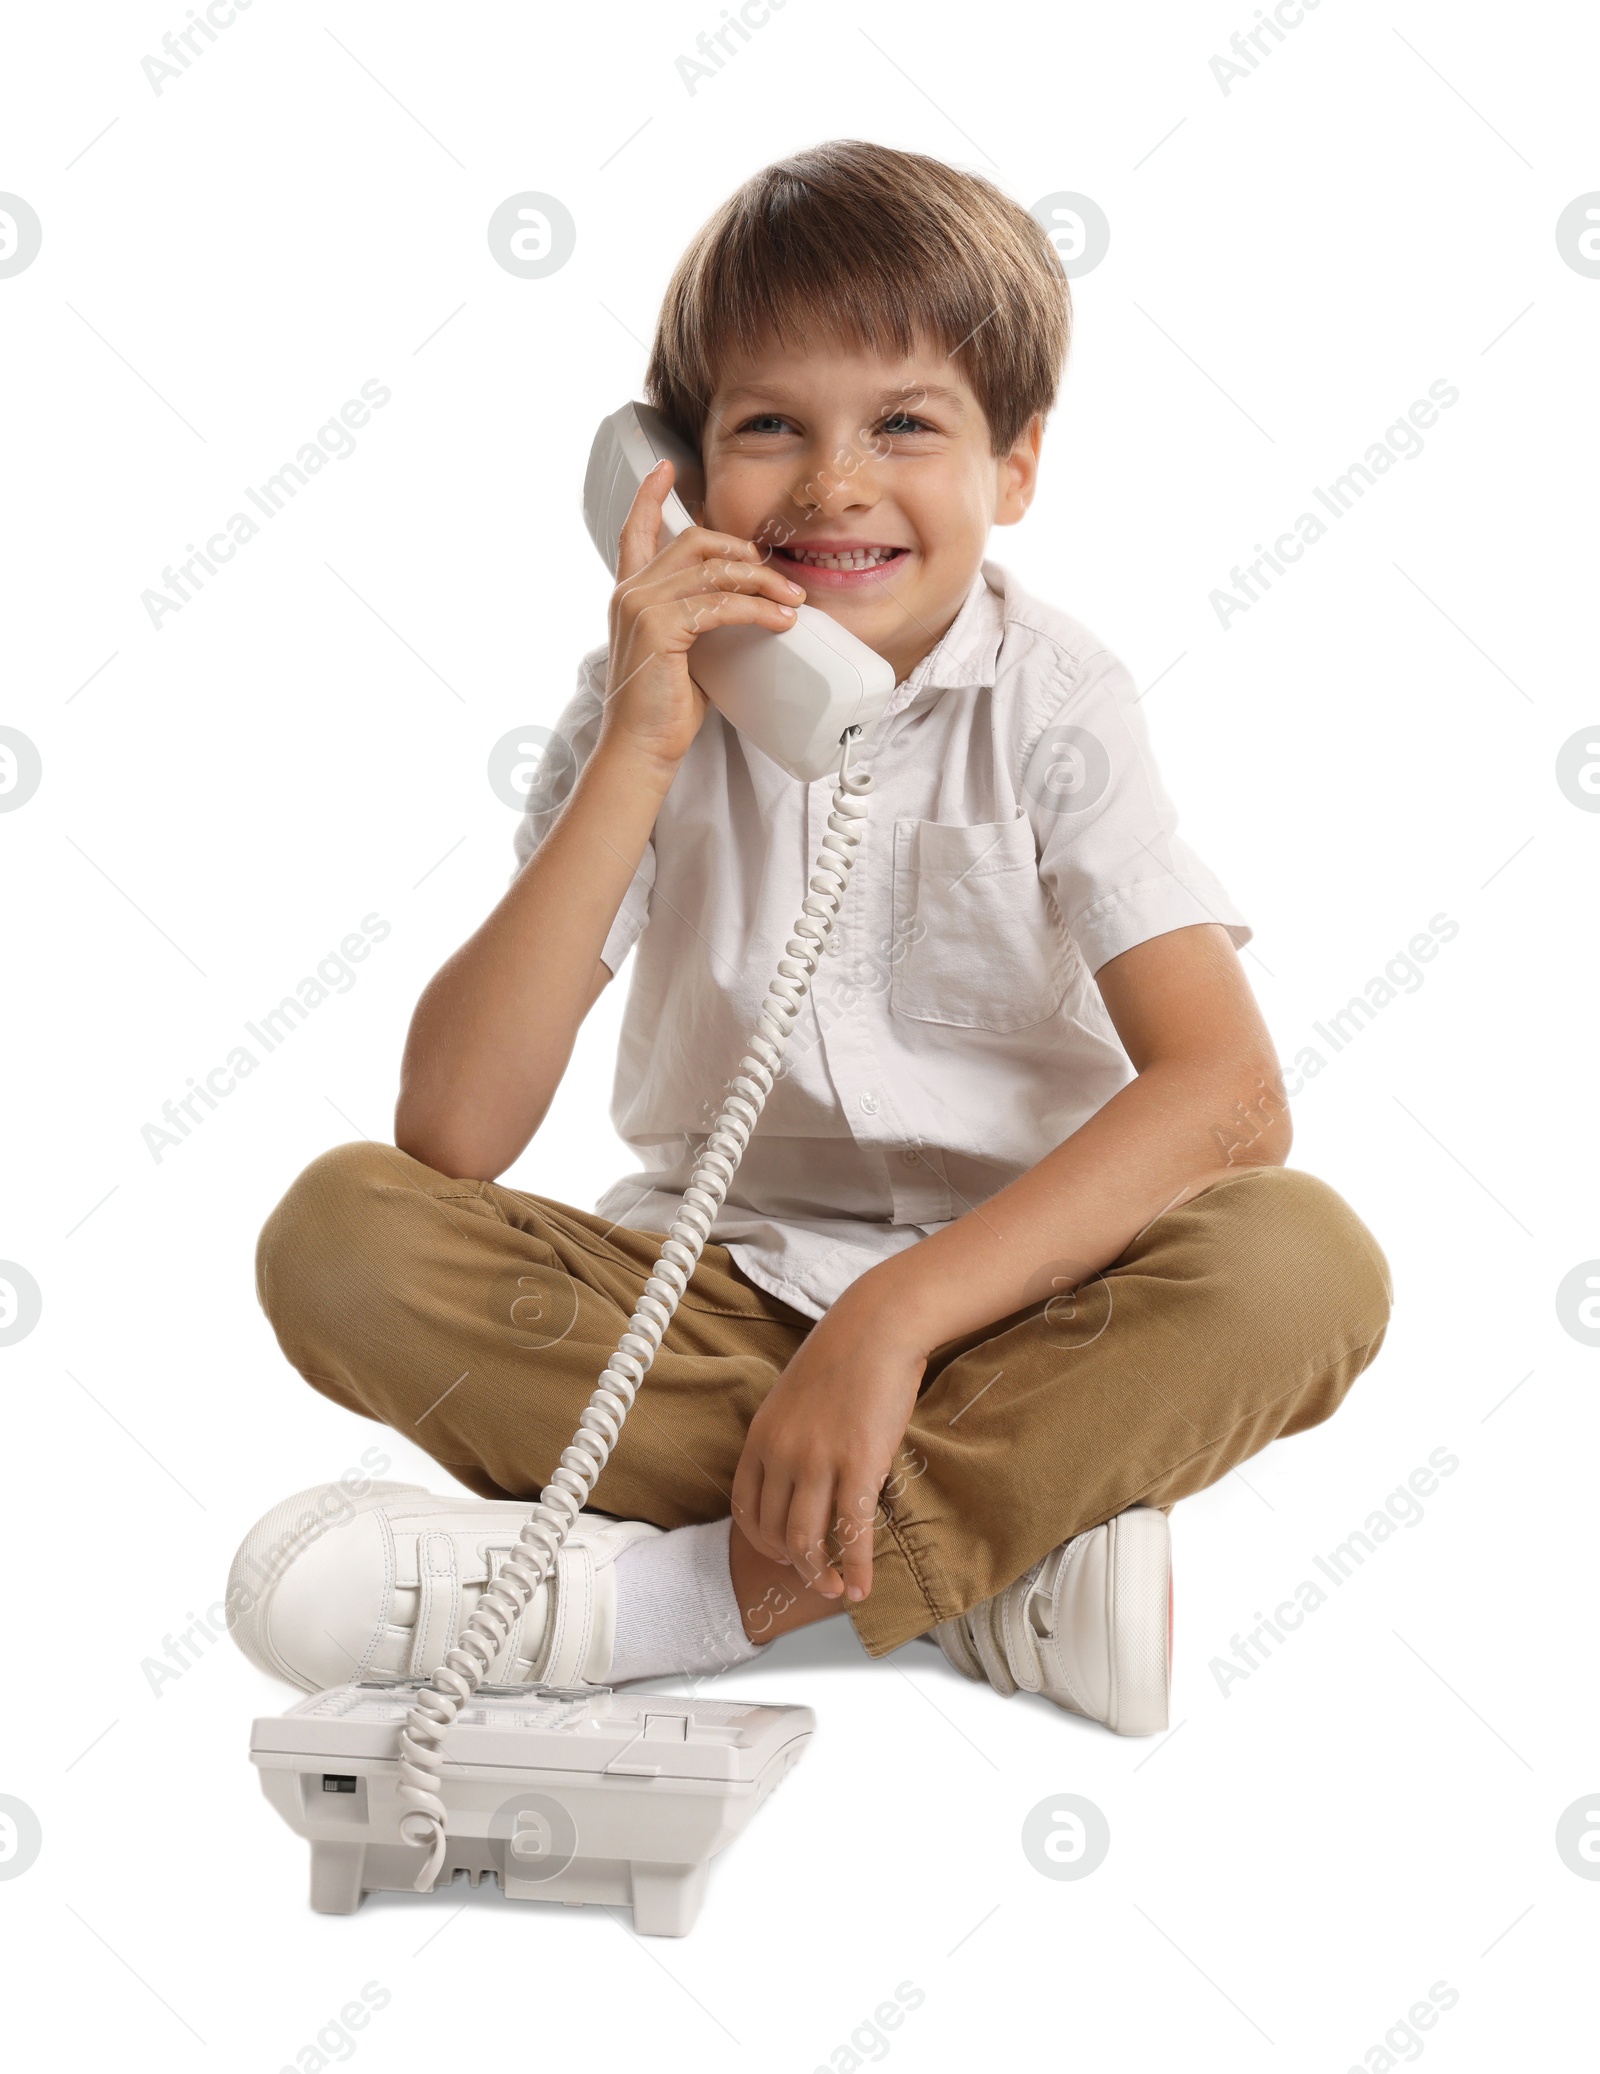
840,564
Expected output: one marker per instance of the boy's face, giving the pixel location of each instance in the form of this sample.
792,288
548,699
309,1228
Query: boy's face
830,450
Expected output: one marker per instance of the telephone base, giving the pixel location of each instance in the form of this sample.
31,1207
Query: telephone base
570,1796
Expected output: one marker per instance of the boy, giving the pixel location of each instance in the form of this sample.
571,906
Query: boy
1013,1261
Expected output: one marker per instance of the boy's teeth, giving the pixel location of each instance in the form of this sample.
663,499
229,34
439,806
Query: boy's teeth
855,560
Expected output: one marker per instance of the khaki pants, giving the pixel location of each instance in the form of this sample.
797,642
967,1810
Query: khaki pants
475,1319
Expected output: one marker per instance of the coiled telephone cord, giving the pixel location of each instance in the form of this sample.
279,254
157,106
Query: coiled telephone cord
532,1560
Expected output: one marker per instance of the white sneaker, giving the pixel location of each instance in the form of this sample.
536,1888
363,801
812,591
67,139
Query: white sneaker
1089,1626
328,1587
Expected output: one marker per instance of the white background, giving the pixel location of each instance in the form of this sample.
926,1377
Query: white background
1292,263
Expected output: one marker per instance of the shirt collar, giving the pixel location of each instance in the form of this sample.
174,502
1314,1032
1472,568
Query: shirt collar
966,656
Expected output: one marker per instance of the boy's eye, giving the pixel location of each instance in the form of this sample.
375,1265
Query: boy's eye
897,424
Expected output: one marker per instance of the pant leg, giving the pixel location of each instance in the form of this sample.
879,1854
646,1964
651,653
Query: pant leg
1243,1314
475,1319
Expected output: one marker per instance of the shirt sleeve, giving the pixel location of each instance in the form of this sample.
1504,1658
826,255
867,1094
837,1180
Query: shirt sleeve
1109,852
570,744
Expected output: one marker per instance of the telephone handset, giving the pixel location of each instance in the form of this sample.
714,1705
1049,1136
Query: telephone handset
793,693
422,1774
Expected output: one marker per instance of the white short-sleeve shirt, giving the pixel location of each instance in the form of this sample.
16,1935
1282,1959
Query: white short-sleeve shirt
1017,837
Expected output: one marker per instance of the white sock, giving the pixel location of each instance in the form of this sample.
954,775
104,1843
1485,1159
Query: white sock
676,1606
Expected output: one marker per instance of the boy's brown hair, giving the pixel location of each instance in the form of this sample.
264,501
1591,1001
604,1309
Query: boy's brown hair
855,242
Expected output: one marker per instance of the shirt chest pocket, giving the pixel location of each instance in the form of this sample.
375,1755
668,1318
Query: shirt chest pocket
977,940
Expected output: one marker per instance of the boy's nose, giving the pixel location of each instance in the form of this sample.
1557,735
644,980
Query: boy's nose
835,480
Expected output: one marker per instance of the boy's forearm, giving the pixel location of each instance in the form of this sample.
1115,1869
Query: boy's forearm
1178,1127
492,1033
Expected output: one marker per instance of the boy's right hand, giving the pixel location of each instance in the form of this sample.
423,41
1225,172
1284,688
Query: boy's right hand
661,603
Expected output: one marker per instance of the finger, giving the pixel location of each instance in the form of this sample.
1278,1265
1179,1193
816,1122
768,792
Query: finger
745,1500
700,544
641,542
636,543
697,543
806,1538
664,580
776,1490
674,625
853,1533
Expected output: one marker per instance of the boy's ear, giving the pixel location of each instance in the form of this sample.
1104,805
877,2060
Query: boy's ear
1019,473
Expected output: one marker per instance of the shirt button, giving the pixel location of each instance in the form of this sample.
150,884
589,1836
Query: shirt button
834,946
909,1158
869,1103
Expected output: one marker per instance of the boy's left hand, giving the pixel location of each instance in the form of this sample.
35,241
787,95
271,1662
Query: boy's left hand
820,1449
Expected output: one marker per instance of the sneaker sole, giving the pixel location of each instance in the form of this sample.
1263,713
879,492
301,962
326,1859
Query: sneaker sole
1139,1587
273,1543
